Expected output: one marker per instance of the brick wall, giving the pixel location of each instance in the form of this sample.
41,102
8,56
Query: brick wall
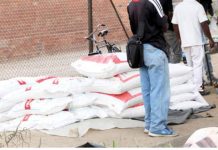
30,27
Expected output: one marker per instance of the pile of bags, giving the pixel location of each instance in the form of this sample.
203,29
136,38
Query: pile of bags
107,87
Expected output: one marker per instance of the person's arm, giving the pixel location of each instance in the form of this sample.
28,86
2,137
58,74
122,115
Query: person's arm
176,26
176,30
202,17
160,17
207,33
165,26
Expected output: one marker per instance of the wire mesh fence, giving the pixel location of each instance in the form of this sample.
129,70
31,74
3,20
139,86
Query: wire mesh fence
39,37
43,37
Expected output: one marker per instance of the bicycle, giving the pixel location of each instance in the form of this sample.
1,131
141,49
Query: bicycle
111,47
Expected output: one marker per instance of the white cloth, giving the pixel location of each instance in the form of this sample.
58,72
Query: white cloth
194,57
188,15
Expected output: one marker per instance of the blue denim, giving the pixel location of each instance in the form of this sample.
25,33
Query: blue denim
155,86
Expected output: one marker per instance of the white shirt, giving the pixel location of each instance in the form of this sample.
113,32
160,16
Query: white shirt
188,15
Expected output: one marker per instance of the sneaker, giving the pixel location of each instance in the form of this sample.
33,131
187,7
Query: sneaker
162,133
146,131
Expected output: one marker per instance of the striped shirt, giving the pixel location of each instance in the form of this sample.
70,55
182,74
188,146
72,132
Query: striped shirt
147,19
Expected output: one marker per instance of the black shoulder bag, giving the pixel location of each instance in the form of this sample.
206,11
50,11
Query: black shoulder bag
134,48
134,52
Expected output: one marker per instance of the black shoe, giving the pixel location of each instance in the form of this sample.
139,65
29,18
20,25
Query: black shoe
204,92
184,60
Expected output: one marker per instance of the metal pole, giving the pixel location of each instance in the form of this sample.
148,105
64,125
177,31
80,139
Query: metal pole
90,24
112,3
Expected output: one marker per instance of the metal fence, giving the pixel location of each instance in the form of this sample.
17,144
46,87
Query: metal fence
39,37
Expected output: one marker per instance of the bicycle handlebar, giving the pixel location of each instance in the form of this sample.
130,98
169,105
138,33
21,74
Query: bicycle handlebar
98,26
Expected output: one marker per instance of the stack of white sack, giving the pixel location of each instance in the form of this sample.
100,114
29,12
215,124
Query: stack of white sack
110,88
45,100
7,86
184,94
117,86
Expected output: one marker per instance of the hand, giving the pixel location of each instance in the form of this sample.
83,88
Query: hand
211,43
179,41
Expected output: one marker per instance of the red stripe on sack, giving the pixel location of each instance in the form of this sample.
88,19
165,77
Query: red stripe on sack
127,79
103,59
21,82
55,81
137,105
125,97
26,117
27,104
28,88
46,78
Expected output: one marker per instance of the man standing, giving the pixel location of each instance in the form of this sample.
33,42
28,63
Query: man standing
148,22
189,20
175,51
207,4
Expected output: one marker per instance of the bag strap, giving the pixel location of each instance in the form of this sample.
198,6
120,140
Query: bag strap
140,29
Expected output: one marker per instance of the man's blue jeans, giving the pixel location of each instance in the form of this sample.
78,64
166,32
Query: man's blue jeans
155,88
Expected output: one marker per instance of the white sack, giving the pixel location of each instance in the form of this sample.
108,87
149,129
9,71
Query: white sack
7,86
181,79
134,111
53,88
119,102
203,138
102,66
26,122
182,97
187,105
81,100
39,107
176,70
56,120
31,122
183,88
90,112
118,84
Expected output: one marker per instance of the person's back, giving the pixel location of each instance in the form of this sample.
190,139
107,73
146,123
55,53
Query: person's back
189,23
148,22
151,22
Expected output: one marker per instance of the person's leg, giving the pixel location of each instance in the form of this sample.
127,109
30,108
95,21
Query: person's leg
197,54
145,87
158,75
187,53
206,70
175,48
